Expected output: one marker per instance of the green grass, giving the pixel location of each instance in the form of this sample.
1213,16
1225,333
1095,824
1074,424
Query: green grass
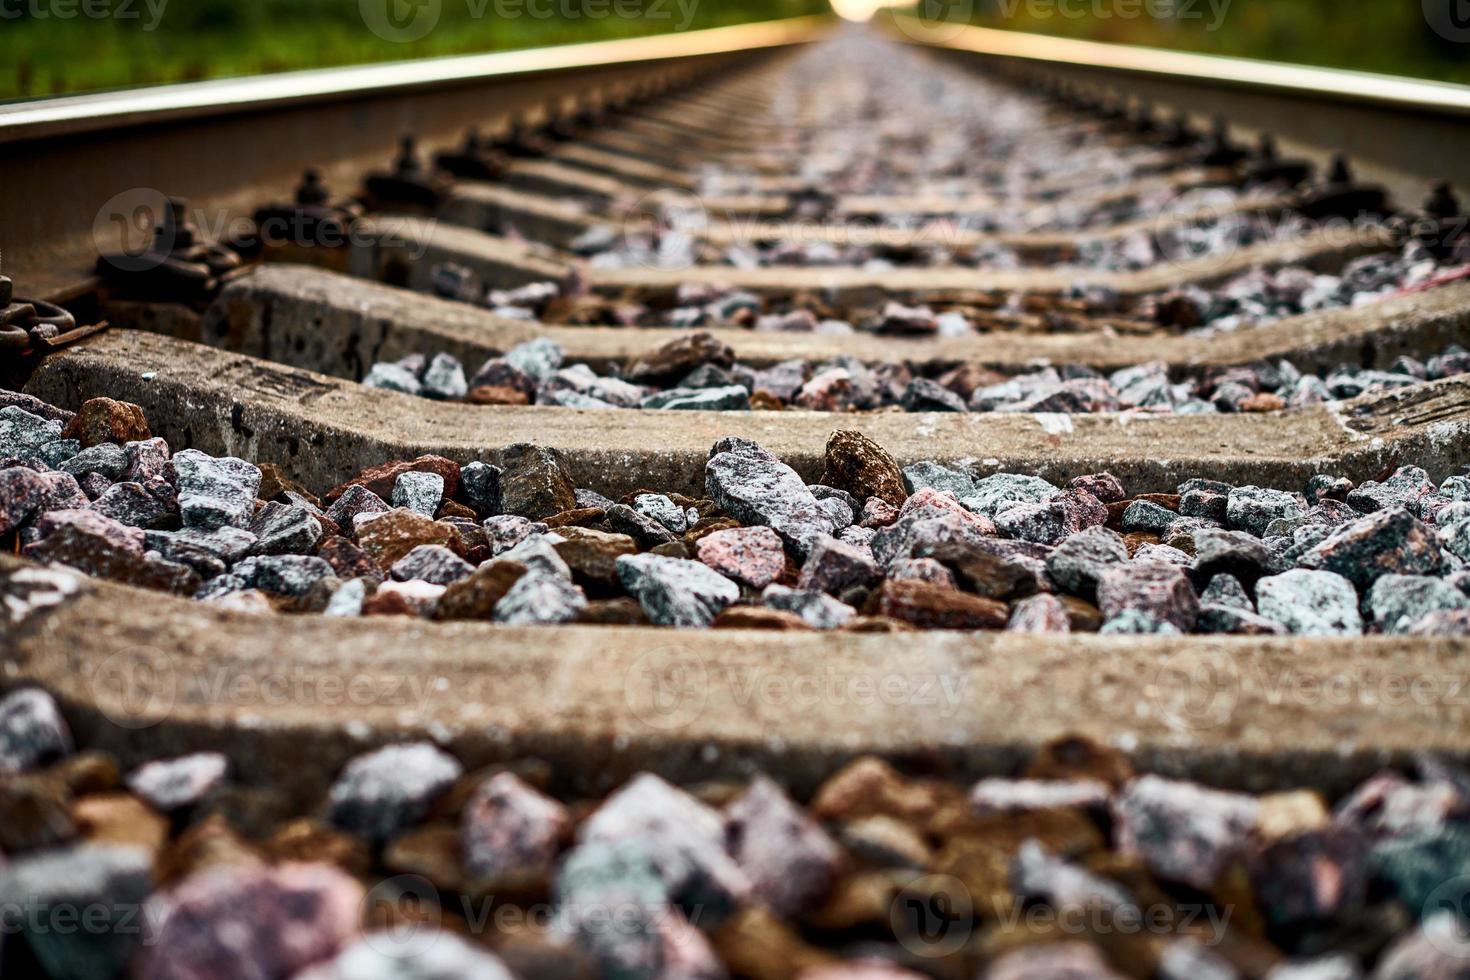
1388,36
198,39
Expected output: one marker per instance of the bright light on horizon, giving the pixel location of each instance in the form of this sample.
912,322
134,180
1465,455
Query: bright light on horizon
862,10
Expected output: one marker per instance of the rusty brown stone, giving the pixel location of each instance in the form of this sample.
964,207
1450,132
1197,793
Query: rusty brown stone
930,606
576,517
1082,616
209,843
1137,540
431,851
388,538
274,482
105,420
475,596
613,612
497,395
859,899
88,772
592,555
1264,402
305,839
37,812
985,574
678,357
120,818
863,468
453,508
758,618
876,624
763,401
870,786
347,559
1078,757
755,943
380,479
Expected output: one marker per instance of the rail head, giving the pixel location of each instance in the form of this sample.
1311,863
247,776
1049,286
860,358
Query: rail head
1328,84
75,115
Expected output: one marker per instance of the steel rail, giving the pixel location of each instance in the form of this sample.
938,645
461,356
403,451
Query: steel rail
72,115
72,167
1405,133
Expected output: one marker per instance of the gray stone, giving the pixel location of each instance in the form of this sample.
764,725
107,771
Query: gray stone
924,395
215,493
504,531
79,907
1235,620
1397,602
1079,562
538,553
1137,621
428,955
480,484
689,840
32,731
419,492
1158,590
540,598
106,458
1147,516
1386,542
509,832
732,398
284,529
833,567
674,591
393,377
355,501
1402,489
1313,603
647,532
172,784
444,379
755,487
1226,590
936,476
660,508
788,858
995,494
1233,553
1252,509
132,504
819,610
1184,832
385,791
22,434
432,563
538,358
347,601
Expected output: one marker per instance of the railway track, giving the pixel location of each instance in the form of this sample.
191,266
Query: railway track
737,515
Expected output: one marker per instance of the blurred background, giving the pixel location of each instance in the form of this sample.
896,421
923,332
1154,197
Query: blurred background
50,47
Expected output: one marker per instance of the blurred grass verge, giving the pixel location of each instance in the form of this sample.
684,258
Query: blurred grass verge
1416,38
55,47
